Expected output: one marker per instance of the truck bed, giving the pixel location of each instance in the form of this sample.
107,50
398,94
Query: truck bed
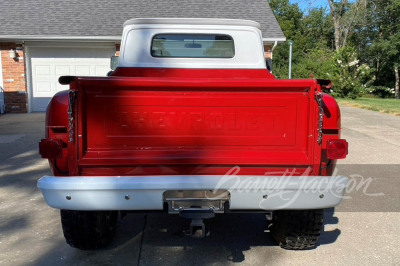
132,124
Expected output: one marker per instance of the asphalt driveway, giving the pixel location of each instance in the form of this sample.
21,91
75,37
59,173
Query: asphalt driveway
363,231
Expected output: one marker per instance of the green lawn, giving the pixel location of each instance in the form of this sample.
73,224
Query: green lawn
390,106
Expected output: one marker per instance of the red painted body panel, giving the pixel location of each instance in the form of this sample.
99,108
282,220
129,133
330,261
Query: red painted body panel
185,121
332,113
56,113
57,129
193,73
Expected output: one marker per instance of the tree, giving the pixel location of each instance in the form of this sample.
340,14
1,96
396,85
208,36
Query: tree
307,31
317,27
363,31
345,16
379,41
290,20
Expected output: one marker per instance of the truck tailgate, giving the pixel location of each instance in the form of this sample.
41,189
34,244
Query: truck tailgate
169,121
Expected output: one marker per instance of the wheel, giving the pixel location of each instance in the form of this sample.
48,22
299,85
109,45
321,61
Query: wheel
88,229
297,229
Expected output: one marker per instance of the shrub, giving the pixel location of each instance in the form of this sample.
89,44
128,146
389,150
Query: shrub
381,91
351,79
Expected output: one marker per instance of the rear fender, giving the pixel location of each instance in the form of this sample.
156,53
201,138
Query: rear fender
57,129
331,115
331,131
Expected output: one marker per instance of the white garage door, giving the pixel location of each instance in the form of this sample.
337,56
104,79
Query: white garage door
49,63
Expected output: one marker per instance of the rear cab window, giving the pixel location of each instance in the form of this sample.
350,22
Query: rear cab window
192,46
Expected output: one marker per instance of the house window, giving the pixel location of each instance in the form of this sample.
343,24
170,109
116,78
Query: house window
193,46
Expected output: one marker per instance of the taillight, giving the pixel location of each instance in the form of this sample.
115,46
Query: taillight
50,148
337,149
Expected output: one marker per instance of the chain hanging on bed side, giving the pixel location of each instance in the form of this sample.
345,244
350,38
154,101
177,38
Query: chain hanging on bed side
71,106
319,97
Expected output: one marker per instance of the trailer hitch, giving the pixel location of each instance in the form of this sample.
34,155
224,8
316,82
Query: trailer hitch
197,224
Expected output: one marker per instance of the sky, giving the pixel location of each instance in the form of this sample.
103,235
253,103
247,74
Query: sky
306,4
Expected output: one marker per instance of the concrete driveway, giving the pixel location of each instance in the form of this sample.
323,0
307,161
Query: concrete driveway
363,231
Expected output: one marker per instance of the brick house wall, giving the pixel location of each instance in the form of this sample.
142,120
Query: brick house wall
117,49
14,79
268,51
268,55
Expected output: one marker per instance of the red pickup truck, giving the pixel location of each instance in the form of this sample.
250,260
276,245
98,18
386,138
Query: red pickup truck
192,123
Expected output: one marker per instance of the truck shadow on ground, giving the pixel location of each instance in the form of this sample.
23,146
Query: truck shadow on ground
159,239
124,250
234,234
230,235
329,237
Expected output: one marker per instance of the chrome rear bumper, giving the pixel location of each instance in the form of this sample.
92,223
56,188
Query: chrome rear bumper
147,192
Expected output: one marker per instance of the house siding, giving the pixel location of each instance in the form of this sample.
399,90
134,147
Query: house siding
14,79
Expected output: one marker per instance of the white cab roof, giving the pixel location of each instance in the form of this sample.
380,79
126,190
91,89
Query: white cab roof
193,21
139,33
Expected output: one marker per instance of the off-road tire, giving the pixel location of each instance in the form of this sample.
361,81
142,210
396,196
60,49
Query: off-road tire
88,230
297,229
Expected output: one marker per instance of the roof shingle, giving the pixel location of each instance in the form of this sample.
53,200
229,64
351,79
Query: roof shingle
105,17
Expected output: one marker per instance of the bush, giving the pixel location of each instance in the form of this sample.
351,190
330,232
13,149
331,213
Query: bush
317,63
381,91
351,78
